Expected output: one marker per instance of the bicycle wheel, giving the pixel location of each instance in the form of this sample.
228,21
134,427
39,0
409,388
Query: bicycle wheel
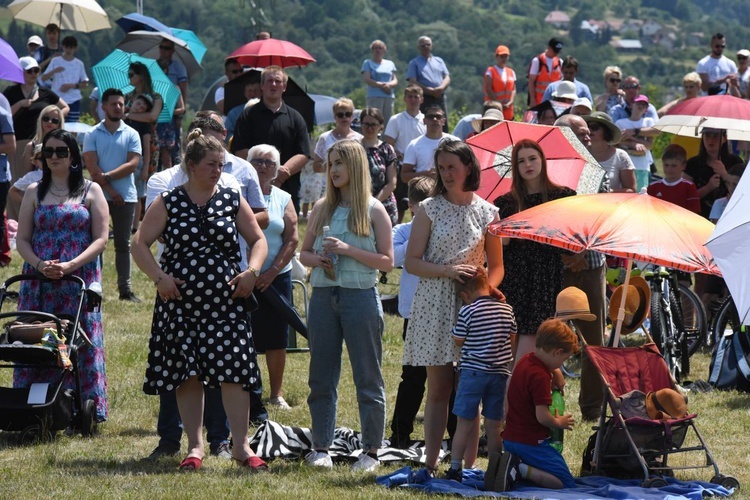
692,317
727,320
658,327
680,342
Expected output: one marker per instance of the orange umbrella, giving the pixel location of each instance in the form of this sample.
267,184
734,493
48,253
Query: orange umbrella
628,225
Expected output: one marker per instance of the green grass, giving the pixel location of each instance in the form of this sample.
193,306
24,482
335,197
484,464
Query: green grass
111,464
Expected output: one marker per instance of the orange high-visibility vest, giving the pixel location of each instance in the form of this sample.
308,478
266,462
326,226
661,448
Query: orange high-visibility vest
545,77
503,90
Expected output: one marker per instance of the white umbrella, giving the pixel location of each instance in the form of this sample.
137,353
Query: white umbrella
74,15
724,112
730,245
146,44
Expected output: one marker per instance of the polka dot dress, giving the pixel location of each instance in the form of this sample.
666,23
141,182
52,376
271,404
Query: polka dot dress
206,333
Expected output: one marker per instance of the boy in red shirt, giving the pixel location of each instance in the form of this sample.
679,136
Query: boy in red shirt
673,188
528,454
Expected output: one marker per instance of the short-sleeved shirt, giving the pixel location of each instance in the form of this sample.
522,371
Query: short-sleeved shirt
582,90
716,68
6,128
380,72
429,72
284,129
73,72
177,72
486,325
327,139
248,179
641,162
529,387
421,152
701,173
112,151
404,128
24,121
615,165
620,112
681,192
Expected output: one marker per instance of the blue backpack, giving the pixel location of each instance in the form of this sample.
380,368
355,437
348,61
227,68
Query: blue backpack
730,366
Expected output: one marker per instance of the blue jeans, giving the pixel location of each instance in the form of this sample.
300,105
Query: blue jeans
355,317
169,424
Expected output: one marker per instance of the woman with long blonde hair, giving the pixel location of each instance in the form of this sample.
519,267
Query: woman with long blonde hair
348,241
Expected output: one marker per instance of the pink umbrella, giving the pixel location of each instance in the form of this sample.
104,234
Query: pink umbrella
723,112
271,52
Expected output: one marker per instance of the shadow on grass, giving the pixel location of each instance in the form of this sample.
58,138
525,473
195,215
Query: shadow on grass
736,402
113,467
134,432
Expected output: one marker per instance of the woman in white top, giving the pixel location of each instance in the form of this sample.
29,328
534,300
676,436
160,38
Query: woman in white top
617,163
343,113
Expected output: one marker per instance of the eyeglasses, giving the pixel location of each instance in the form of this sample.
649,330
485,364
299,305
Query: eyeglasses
615,80
33,71
48,119
61,152
261,162
370,124
165,47
434,117
342,114
631,86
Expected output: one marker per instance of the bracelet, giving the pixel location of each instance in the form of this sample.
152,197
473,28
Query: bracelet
159,279
277,269
37,265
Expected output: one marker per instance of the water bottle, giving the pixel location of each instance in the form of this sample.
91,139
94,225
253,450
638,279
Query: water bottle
330,273
558,403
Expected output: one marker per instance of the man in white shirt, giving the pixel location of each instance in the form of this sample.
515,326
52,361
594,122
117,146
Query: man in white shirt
66,75
717,71
419,155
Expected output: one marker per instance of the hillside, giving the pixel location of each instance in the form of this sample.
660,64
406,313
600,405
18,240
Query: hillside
464,32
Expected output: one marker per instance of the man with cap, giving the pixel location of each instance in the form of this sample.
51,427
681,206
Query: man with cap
740,87
581,107
543,70
430,73
569,74
500,82
717,71
34,46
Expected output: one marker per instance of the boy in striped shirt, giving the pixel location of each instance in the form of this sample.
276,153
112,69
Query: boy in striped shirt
484,328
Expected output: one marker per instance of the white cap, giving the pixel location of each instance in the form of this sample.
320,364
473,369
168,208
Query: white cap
27,63
583,101
35,39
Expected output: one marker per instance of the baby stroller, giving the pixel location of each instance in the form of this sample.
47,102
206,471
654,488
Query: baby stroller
42,409
638,447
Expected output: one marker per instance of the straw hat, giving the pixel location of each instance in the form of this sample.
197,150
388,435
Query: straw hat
637,304
604,119
572,303
491,115
665,404
565,90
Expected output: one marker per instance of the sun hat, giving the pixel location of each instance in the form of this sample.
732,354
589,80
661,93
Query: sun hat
637,304
35,39
491,115
565,90
572,303
665,404
641,98
502,50
604,119
27,63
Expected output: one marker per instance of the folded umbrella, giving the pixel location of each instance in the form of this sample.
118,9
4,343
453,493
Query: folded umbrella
271,297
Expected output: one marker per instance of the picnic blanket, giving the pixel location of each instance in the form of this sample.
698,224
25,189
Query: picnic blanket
273,440
593,487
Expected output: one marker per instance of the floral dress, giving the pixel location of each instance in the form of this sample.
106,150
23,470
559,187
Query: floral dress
63,232
206,333
380,157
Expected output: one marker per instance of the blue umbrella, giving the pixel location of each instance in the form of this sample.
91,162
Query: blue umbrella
135,21
10,68
112,72
195,45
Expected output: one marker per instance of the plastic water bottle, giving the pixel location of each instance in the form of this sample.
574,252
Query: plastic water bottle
558,403
330,273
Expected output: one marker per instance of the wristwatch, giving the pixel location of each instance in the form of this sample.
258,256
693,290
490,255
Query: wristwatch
107,178
254,271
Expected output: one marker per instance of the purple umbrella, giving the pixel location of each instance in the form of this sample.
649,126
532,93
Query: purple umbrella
10,68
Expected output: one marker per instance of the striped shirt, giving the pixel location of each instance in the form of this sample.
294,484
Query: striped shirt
486,325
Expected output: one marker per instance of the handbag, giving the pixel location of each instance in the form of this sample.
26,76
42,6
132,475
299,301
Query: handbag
730,366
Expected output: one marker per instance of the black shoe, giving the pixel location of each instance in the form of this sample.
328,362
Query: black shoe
400,443
507,472
163,450
129,296
454,474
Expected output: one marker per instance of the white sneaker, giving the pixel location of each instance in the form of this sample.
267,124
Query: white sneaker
365,463
280,403
319,459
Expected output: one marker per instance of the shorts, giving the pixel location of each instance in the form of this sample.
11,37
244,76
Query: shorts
543,457
476,386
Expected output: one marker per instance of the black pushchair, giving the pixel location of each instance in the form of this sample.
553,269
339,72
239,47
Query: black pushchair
41,410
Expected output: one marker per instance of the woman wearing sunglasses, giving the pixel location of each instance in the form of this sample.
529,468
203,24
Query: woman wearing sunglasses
612,95
51,118
343,113
27,101
382,161
62,230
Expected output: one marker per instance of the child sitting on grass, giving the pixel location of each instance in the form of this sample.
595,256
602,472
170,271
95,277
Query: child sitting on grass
483,331
528,454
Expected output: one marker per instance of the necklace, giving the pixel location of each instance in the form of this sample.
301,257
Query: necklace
57,190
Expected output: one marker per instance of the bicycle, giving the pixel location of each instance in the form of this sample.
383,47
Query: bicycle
726,320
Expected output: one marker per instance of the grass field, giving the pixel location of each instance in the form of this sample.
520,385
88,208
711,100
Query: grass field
111,464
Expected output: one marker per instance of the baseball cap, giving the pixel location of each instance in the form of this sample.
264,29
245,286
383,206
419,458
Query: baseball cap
502,50
743,53
641,98
583,101
555,43
35,39
28,62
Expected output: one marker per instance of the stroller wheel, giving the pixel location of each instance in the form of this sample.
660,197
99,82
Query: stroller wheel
654,482
727,482
87,418
35,434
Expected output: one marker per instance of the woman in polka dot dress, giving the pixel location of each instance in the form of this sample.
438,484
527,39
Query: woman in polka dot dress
200,332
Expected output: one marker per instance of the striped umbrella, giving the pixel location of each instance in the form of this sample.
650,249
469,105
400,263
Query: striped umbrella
112,72
196,46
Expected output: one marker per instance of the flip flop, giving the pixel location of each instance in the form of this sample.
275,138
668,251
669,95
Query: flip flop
191,464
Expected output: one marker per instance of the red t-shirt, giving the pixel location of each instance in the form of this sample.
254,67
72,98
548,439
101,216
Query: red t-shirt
530,386
682,193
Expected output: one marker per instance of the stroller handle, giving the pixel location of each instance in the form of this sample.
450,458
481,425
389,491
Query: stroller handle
40,277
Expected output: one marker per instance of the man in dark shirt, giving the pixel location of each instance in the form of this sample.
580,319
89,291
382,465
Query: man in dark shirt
273,122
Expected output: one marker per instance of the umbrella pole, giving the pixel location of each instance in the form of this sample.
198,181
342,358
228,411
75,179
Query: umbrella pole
614,340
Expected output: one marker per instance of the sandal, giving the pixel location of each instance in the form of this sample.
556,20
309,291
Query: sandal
253,464
191,464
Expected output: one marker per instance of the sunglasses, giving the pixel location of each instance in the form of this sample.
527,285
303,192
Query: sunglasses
742,57
631,86
615,80
48,119
164,47
61,152
342,114
370,124
593,127
32,71
260,162
434,117
720,46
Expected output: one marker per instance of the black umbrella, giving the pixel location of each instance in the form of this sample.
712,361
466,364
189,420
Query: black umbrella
294,96
271,297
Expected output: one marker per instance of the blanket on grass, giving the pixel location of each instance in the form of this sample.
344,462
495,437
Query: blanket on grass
593,487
